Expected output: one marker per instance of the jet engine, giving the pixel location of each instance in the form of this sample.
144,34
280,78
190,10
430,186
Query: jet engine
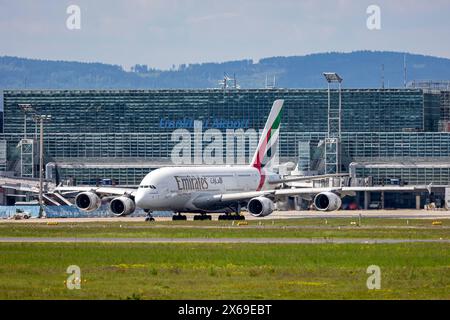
260,207
122,206
88,201
327,201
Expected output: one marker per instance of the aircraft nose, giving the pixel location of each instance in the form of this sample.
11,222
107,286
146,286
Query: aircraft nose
139,198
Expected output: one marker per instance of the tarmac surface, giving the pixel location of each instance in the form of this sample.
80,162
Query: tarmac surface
219,240
395,214
398,214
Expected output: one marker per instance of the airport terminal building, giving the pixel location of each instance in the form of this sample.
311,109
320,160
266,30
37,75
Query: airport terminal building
388,135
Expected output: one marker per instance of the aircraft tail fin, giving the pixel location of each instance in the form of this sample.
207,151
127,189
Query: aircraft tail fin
269,137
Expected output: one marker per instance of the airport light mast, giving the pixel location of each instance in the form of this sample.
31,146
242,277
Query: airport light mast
332,141
26,145
26,109
41,119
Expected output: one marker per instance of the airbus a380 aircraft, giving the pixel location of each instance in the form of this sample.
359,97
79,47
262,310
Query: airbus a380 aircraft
206,189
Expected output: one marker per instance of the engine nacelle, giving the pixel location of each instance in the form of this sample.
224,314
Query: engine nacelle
88,201
327,201
260,207
122,206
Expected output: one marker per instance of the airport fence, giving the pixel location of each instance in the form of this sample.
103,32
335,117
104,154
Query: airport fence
7,212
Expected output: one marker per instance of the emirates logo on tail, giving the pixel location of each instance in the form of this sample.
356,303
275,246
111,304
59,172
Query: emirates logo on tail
266,149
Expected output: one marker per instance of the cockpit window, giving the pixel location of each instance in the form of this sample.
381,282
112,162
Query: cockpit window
150,186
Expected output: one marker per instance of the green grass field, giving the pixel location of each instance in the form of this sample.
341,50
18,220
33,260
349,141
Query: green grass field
298,228
227,271
215,271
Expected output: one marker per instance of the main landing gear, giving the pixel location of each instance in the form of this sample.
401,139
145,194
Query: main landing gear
233,216
202,217
230,216
179,217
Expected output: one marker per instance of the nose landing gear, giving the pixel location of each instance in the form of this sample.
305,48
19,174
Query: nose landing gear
149,216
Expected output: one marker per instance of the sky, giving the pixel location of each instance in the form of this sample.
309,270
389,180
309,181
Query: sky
163,33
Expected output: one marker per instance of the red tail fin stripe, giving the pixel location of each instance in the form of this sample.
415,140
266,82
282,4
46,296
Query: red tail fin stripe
258,164
261,151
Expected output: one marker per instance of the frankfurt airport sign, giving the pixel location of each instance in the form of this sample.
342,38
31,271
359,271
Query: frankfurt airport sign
214,123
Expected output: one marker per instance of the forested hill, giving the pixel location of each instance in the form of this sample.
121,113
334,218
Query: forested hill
361,69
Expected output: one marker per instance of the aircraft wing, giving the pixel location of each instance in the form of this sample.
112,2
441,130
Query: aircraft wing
307,178
227,197
242,196
100,190
380,188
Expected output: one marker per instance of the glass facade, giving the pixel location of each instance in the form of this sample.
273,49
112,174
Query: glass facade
157,111
433,112
417,173
124,176
357,146
132,126
397,146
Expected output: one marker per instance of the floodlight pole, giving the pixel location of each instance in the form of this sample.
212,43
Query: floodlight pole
340,108
41,167
334,134
26,108
41,119
25,126
328,110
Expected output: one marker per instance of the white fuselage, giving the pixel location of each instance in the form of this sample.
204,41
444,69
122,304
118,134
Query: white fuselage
176,188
